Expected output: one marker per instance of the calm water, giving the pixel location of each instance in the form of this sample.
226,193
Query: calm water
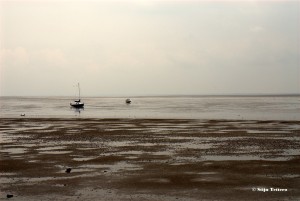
190,107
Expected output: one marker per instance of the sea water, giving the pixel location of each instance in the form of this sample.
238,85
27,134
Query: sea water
173,107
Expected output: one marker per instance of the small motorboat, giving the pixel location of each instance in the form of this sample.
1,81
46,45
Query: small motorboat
77,103
128,101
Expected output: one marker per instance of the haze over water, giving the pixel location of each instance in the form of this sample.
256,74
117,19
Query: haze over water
142,47
178,107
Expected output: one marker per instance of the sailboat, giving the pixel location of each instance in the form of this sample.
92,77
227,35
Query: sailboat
77,103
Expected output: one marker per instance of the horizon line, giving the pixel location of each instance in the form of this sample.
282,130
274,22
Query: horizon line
162,95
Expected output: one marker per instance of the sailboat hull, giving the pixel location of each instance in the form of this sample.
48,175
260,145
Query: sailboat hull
77,105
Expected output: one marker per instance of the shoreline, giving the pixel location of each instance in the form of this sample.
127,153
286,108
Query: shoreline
66,118
149,159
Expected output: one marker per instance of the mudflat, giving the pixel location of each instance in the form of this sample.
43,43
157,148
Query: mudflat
149,159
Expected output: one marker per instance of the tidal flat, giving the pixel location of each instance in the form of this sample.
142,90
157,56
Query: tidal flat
149,159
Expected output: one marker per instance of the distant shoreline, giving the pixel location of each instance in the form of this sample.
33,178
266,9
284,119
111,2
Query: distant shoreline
158,96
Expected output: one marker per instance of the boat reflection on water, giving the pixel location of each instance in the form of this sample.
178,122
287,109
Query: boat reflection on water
77,111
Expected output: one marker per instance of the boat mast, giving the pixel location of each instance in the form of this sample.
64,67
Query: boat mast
79,90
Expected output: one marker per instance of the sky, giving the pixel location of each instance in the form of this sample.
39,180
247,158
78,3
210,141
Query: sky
149,47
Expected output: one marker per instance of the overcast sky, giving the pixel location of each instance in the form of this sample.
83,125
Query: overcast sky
149,47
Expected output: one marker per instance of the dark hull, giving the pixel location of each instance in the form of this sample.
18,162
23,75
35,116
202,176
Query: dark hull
77,105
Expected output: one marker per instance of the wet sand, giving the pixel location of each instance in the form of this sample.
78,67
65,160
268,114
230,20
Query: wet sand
149,159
